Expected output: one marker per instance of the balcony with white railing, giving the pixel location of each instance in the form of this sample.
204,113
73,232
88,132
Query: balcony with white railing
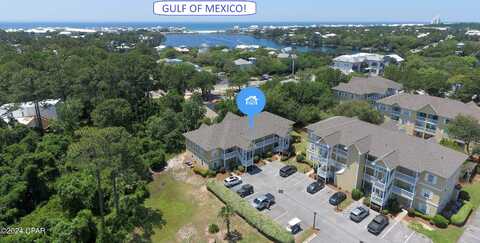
378,184
430,130
376,199
402,192
230,155
421,118
369,178
405,177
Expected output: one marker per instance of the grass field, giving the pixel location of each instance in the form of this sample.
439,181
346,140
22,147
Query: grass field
188,208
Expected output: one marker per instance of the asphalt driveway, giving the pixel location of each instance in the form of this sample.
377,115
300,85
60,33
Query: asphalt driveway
292,201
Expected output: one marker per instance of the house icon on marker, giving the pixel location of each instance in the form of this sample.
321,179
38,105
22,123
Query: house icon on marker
251,100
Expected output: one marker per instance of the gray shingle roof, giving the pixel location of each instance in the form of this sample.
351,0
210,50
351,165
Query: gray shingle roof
443,107
234,131
395,147
370,85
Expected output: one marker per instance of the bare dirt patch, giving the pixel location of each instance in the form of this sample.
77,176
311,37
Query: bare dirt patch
186,233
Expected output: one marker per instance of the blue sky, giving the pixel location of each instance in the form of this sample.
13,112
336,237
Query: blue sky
268,10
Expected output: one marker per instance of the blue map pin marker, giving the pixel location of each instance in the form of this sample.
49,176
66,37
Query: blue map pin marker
251,101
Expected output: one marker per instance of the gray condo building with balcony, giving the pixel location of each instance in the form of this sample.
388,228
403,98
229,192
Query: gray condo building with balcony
368,89
232,142
385,163
425,116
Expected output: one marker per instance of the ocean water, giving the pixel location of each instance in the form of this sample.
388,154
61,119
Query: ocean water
194,26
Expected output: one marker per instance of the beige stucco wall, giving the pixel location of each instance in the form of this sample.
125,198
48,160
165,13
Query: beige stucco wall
442,191
348,179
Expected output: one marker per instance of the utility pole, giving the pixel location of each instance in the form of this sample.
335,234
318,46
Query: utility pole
314,219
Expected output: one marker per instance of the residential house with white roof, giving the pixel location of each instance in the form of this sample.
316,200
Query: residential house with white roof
364,62
24,113
243,64
386,164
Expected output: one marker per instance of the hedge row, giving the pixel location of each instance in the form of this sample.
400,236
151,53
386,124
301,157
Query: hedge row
461,216
204,172
423,216
262,222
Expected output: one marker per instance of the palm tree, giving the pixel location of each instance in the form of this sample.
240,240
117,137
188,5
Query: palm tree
226,212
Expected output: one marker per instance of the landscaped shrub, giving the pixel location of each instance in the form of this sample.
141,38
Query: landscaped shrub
213,228
411,212
393,206
461,216
256,158
423,216
366,201
440,221
464,196
241,168
201,171
300,158
269,154
211,173
356,194
385,211
284,158
242,207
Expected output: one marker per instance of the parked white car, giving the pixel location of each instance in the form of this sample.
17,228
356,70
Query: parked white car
232,181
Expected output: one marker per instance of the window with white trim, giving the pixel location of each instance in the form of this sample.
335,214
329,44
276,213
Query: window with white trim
431,179
427,194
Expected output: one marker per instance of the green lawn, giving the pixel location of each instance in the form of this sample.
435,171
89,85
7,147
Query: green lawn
448,235
300,147
345,203
452,233
474,191
188,209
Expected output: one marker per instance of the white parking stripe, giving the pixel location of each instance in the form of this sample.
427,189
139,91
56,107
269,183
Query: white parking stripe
281,215
388,230
474,227
410,236
472,235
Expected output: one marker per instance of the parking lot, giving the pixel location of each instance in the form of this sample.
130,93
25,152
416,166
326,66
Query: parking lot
292,201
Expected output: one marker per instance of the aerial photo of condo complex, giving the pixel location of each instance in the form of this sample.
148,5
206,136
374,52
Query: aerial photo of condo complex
240,121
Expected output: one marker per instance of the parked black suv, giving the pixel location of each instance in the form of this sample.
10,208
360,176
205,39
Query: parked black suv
245,190
337,198
287,170
315,187
378,224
